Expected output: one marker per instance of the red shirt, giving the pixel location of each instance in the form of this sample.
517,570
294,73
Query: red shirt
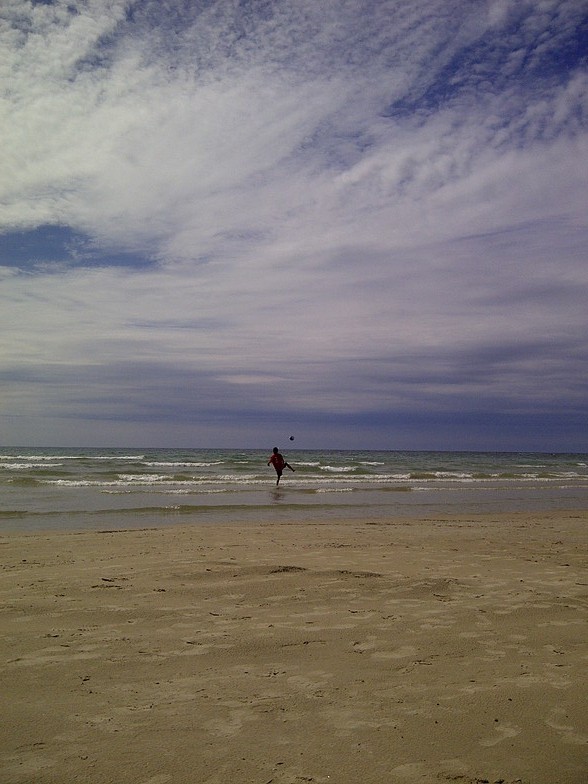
277,461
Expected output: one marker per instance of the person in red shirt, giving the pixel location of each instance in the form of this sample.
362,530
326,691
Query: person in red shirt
278,462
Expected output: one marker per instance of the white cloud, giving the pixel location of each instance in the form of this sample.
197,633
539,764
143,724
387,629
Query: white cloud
343,200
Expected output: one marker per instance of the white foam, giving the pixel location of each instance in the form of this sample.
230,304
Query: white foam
142,479
24,466
51,458
335,490
160,464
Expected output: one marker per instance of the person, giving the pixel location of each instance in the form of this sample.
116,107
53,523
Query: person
278,462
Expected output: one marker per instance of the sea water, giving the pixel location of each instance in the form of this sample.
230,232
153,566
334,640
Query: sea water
83,489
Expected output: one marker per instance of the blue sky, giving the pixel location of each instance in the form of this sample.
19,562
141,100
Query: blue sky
363,223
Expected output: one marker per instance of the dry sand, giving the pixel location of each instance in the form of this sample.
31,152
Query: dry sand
351,653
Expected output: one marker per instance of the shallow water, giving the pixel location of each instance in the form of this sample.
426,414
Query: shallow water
122,488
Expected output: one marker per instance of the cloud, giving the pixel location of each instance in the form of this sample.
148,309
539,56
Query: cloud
333,209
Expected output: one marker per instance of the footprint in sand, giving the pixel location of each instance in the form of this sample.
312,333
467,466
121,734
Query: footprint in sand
559,720
399,653
363,646
502,732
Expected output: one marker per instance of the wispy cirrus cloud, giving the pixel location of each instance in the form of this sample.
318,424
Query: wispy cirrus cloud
333,209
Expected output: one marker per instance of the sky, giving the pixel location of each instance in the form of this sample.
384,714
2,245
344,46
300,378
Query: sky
363,223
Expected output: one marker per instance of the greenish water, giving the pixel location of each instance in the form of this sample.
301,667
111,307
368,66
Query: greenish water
93,488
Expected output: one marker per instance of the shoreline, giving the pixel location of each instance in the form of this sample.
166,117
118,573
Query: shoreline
280,512
105,488
451,647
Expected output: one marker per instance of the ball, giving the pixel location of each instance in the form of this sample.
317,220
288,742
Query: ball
291,438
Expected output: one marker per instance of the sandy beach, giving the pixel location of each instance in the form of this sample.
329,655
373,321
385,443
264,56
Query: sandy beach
401,651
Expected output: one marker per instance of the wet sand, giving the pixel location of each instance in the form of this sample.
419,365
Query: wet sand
405,652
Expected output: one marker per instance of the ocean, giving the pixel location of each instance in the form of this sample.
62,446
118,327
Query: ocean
84,489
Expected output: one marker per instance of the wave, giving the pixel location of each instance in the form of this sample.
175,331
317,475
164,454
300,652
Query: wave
28,466
234,482
441,475
51,458
184,464
24,481
335,490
